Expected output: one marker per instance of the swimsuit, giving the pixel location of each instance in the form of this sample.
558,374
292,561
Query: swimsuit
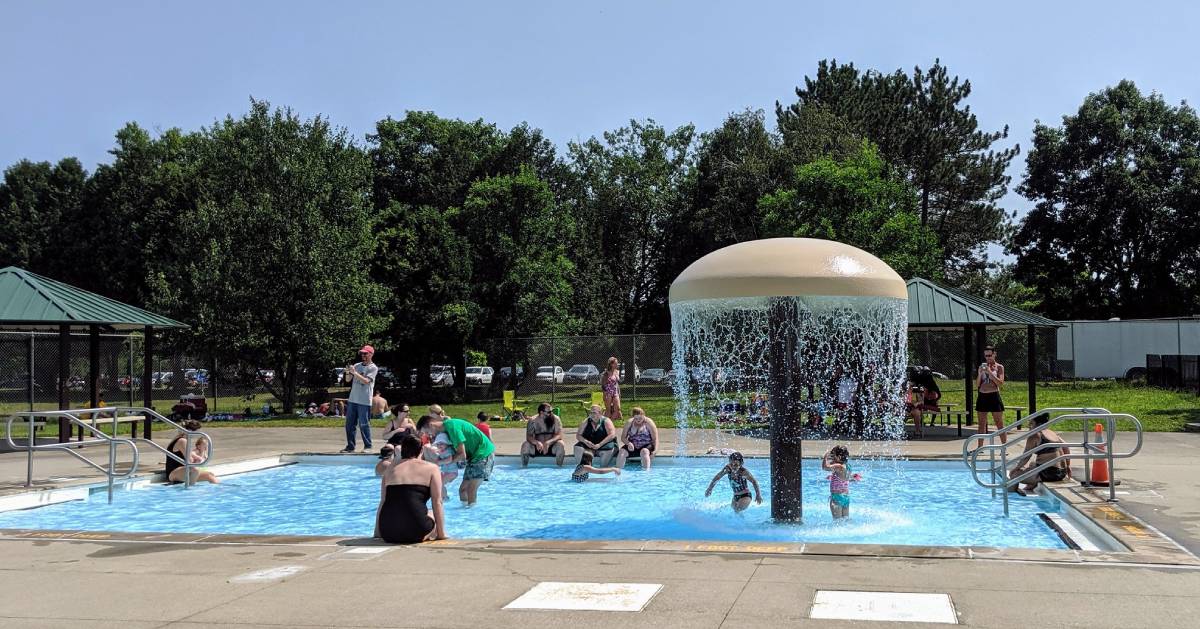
641,439
403,518
579,475
839,488
610,386
738,484
595,434
172,464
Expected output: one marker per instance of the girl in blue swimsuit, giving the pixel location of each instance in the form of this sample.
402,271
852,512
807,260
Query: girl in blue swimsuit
739,476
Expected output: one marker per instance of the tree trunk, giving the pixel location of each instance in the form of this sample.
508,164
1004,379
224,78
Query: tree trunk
289,387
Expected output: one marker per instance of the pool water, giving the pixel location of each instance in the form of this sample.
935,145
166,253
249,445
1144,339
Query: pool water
896,502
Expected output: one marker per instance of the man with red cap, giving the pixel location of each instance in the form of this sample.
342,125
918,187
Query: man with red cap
358,412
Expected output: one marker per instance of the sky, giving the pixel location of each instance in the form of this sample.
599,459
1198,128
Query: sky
74,71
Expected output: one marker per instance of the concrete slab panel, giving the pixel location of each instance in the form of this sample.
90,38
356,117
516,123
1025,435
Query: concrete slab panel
884,606
601,597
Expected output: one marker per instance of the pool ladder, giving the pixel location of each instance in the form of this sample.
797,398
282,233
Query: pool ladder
115,414
991,463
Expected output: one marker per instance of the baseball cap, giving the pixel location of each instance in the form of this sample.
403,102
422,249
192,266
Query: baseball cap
366,349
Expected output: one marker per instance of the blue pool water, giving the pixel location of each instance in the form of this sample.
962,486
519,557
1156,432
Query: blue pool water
918,503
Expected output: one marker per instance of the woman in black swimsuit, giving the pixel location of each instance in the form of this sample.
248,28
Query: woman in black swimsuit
198,454
596,435
407,485
1035,455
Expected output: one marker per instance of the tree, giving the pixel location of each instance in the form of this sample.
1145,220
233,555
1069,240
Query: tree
922,128
627,187
997,282
34,199
517,239
138,206
853,201
1115,227
279,247
422,257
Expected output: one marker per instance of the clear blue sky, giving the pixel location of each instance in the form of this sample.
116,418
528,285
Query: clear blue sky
74,72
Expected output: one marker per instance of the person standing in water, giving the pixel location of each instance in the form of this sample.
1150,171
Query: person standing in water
739,476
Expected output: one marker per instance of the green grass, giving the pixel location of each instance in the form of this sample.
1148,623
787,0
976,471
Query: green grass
1159,410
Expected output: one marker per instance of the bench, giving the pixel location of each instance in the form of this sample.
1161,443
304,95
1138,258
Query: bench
99,423
945,410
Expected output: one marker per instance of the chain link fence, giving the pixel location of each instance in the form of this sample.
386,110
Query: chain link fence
29,371
568,369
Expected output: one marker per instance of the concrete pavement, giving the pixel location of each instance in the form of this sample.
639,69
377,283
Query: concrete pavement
136,583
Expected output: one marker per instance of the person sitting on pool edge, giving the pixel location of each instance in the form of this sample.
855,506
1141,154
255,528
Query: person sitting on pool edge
400,423
738,477
641,438
596,435
1029,459
198,454
474,452
585,468
543,437
407,485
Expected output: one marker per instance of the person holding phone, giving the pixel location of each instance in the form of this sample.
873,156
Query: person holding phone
361,376
988,382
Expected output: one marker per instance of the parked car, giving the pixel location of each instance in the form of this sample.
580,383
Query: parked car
588,374
20,383
653,376
385,378
162,379
506,373
441,375
340,371
479,375
267,375
548,373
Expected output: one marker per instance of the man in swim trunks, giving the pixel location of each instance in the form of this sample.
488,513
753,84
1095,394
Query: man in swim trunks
543,437
473,451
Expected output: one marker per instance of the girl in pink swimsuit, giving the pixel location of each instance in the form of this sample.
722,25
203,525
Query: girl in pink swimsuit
610,385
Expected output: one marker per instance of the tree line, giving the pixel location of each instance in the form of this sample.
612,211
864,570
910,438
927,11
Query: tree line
283,240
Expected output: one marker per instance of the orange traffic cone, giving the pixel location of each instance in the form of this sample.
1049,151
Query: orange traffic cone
1099,466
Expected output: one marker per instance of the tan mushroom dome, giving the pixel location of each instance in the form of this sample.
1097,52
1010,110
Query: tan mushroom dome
787,267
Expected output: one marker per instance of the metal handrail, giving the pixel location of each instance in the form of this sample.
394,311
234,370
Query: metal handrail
69,448
188,436
1090,450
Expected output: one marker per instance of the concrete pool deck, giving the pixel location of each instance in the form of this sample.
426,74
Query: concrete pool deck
135,582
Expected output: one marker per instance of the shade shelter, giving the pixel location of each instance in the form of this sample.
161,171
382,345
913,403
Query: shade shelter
29,301
932,306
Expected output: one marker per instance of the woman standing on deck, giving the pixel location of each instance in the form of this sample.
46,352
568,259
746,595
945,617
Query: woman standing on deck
610,384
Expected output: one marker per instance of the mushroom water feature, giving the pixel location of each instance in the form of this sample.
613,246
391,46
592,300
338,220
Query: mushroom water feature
808,324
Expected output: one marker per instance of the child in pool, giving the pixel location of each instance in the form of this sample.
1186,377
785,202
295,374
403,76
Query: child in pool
443,455
738,477
836,462
585,467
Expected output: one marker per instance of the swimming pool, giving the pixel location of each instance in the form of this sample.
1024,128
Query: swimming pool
923,503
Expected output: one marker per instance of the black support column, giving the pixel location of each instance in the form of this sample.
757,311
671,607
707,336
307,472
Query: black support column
968,374
94,365
787,495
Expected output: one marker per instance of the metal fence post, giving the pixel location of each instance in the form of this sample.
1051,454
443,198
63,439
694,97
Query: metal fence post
553,370
634,338
129,342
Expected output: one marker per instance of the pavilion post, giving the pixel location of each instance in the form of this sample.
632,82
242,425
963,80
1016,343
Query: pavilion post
94,365
968,381
147,376
1032,368
29,381
64,376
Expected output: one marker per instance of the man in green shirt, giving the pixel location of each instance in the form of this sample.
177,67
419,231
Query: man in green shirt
473,451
